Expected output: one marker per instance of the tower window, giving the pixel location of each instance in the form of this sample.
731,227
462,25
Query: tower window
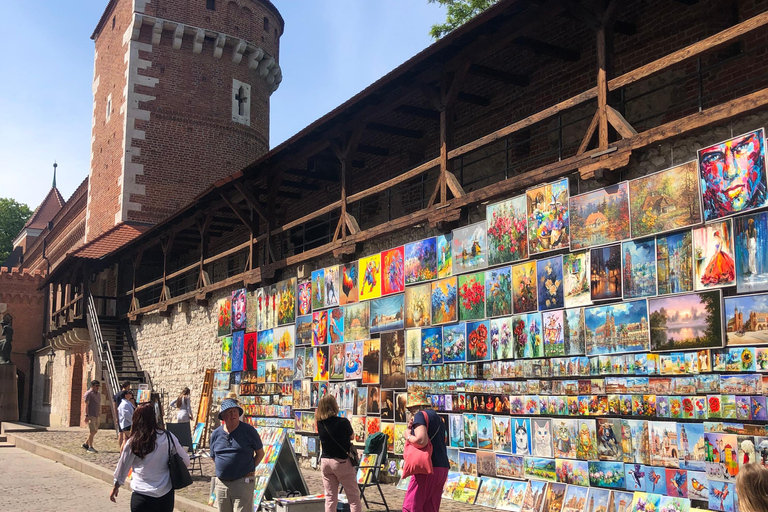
113,22
266,24
109,108
241,102
210,5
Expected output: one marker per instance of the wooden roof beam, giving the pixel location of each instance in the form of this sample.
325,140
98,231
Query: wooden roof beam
500,76
424,113
395,130
298,185
473,99
312,175
372,150
540,47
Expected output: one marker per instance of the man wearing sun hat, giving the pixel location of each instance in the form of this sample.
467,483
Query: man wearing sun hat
236,450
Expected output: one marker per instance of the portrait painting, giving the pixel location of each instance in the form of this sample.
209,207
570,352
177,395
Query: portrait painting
674,263
665,201
393,271
732,175
319,327
605,273
356,321
477,341
320,363
331,295
548,217
225,317
387,313
371,360
576,284
418,307
249,352
444,297
336,325
318,289
617,328
472,296
600,217
469,248
746,320
304,296
684,322
393,360
238,342
549,283
507,231
713,262
238,309
413,347
501,339
554,332
369,280
750,235
348,283
454,343
353,368
498,291
639,268
524,287
286,304
432,346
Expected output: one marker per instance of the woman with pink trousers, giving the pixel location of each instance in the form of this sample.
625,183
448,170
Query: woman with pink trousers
336,439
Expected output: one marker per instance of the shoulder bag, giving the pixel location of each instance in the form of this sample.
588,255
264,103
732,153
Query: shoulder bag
418,459
351,452
180,477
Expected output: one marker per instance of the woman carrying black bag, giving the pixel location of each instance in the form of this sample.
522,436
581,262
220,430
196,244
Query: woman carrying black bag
149,451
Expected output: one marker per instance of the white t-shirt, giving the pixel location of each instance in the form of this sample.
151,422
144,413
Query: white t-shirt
125,413
151,475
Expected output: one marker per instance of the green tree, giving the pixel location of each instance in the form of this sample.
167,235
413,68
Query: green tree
459,12
13,216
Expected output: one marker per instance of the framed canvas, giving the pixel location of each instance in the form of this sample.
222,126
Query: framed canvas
576,284
418,310
371,361
507,231
548,217
321,363
444,297
331,295
554,332
369,281
353,368
684,322
639,268
357,320
432,346
605,273
238,342
524,287
674,263
337,363
348,275
617,328
336,325
600,217
393,271
750,233
266,345
225,317
444,256
746,319
472,296
319,327
304,330
318,289
549,281
413,347
498,291
421,261
454,343
304,296
393,360
469,248
713,263
387,313
238,309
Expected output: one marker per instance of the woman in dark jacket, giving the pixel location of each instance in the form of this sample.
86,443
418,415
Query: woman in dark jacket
336,440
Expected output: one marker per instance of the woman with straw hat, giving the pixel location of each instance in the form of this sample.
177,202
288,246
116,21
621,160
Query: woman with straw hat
425,491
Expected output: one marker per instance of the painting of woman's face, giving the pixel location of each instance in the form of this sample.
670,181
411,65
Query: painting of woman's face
238,309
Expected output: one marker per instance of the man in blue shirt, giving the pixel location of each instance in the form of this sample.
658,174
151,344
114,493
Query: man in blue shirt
236,450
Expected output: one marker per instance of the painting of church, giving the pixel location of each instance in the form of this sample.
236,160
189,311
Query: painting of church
617,328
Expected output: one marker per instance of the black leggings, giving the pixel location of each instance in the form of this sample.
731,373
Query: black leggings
144,503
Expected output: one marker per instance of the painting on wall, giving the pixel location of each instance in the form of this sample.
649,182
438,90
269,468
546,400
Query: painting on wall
249,352
353,368
617,328
674,263
469,248
337,361
418,305
285,341
238,342
265,347
477,341
576,284
348,277
225,317
573,332
498,291
454,343
413,347
336,325
750,232
304,330
524,297
605,272
600,217
552,323
226,354
320,363
286,308
527,336
444,256
746,319
421,261
507,231
304,296
444,296
371,360
732,175
665,201
549,283
251,311
318,289
548,217
472,296
369,272
319,327
432,346
331,295
393,271
357,321
393,360
238,309
684,322
387,313
639,268
502,344
713,263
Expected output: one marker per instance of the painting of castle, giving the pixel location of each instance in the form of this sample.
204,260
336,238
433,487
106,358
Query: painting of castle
617,328
746,319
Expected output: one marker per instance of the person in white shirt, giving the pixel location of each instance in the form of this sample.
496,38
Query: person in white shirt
125,416
184,406
146,452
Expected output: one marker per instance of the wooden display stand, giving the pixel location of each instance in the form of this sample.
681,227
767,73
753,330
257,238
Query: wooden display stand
9,394
202,432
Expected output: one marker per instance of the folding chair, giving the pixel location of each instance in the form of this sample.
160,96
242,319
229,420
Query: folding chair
372,478
183,434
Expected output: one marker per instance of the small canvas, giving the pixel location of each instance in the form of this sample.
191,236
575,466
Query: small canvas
444,301
639,268
472,296
713,263
286,304
319,327
353,368
454,343
469,248
249,352
225,317
418,305
507,231
674,262
371,361
605,273
617,328
554,333
393,360
524,287
477,341
369,272
251,312
444,256
413,347
238,342
421,261
745,321
348,277
501,338
357,321
548,217
432,346
600,217
549,281
318,289
336,325
576,284
304,296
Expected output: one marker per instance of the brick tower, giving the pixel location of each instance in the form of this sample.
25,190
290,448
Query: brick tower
180,99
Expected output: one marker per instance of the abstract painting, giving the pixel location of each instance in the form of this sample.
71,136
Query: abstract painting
524,287
432,346
746,320
393,271
418,305
548,217
674,263
251,312
554,333
421,261
393,360
498,291
238,309
387,313
713,263
349,291
444,256
249,352
665,201
225,317
549,283
444,296
469,248
238,342
369,272
605,273
336,325
732,175
750,233
683,322
454,343
371,359
616,328
357,321
286,305
318,289
639,268
331,295
477,341
353,368
600,217
472,296
576,285
304,295
507,231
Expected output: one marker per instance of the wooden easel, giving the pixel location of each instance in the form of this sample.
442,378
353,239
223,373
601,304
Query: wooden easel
203,408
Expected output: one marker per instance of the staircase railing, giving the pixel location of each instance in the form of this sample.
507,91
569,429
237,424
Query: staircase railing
105,353
132,346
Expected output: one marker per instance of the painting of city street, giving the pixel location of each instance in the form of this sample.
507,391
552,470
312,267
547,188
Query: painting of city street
616,328
605,273
665,201
674,263
746,319
639,268
600,217
683,322
749,234
548,217
576,279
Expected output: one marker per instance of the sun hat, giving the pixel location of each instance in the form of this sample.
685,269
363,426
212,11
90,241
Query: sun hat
417,398
229,403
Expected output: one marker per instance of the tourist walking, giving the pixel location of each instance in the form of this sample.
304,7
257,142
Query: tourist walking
336,436
425,426
92,399
118,399
183,404
236,450
146,452
125,417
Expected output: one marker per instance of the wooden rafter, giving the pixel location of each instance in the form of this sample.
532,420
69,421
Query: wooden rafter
343,151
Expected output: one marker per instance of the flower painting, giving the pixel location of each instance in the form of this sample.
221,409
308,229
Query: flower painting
387,313
356,321
549,281
225,317
600,217
318,289
304,294
477,341
444,256
498,291
371,361
527,336
444,296
469,248
674,263
432,345
502,343
683,322
713,263
524,287
548,217
639,264
286,306
331,295
507,231
393,271
605,273
472,296
348,282
750,234
576,284
617,328
454,343
369,281
418,305
421,261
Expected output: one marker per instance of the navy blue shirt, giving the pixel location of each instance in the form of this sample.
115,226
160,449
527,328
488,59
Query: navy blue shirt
436,433
233,452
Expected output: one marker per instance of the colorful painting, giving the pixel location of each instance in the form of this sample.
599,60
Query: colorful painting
469,248
684,322
639,268
387,313
732,175
527,336
238,309
369,272
674,263
226,354
477,341
713,263
251,312
319,327
336,325
413,347
606,474
472,296
512,495
249,351
225,317
501,339
286,304
576,285
353,368
722,496
617,328
371,360
485,432
393,271
331,295
393,360
444,256
285,341
599,500
534,496
421,261
305,296
320,363
750,233
548,217
575,499
605,273
265,346
432,345
574,335
444,307
665,201
498,291
554,333
454,343
349,278
507,231
549,283
600,217
304,330
318,289
540,467
418,305
356,321
746,320
524,296
238,347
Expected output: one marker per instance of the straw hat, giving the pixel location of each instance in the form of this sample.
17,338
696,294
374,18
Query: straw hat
417,398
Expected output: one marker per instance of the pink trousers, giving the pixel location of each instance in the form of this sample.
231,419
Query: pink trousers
335,472
425,491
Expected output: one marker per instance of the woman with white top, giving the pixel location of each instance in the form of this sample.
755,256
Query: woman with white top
125,416
184,406
146,452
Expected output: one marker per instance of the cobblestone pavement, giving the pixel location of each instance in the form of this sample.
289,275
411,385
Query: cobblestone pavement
70,440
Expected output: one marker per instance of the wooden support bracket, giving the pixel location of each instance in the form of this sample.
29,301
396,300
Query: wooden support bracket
608,162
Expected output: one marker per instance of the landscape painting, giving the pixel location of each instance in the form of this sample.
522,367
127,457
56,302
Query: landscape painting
684,322
444,296
498,291
507,231
750,235
356,321
421,261
639,264
616,328
349,291
371,359
469,248
576,285
393,271
713,263
549,279
413,347
387,314
600,217
418,305
444,256
548,217
524,287
746,320
674,263
605,273
369,277
665,201
472,296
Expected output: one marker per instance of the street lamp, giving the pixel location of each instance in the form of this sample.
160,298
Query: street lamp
51,355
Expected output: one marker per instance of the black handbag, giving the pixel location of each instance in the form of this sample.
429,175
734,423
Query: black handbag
180,477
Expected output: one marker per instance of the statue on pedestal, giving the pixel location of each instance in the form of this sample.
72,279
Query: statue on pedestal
6,344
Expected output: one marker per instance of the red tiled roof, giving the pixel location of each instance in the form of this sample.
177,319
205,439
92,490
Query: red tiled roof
47,210
109,241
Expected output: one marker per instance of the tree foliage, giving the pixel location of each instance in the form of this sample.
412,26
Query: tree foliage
459,12
13,216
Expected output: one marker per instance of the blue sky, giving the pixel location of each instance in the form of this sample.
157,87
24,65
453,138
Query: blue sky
331,49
